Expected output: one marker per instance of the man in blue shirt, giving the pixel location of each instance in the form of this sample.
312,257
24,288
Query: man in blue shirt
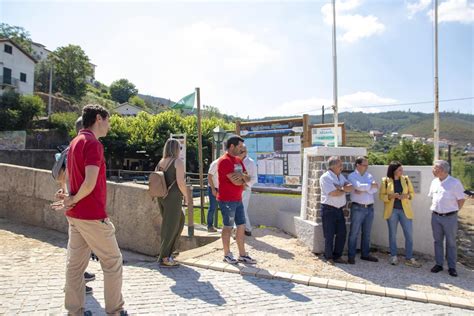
362,209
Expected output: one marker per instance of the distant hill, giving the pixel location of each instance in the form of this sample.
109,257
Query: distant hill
456,127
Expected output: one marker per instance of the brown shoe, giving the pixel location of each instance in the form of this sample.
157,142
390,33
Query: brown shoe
211,229
340,260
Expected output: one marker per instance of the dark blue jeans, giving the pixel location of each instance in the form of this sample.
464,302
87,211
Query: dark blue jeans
361,219
212,208
334,224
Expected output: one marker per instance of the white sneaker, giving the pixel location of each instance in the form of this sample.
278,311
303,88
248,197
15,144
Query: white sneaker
393,260
229,258
413,263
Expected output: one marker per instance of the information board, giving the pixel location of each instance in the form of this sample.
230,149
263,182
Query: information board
276,146
324,136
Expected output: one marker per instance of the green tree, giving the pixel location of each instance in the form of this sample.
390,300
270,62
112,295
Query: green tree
17,34
122,90
17,112
137,101
148,133
412,153
71,66
42,71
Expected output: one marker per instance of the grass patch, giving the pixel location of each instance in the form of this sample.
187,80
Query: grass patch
197,216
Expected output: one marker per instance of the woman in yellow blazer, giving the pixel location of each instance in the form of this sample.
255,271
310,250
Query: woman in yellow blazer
396,191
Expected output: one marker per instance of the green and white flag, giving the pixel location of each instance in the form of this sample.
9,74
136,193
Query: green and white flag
186,103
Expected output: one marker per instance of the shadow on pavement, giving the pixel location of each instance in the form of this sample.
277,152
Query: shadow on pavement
188,285
283,288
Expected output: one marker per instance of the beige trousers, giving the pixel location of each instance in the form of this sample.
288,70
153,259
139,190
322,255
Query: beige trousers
98,236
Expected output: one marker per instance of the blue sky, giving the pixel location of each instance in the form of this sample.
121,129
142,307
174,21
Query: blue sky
264,58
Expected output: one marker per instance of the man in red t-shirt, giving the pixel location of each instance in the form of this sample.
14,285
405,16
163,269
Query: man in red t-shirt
89,226
232,178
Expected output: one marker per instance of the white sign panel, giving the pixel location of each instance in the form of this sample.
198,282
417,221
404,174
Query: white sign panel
324,136
291,143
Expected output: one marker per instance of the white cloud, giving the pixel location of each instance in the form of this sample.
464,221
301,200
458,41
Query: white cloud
351,102
455,11
170,62
415,7
354,26
448,11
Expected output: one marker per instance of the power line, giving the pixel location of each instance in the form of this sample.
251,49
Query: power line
395,104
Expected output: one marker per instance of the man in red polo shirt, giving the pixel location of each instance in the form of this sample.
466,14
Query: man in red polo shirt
232,178
89,226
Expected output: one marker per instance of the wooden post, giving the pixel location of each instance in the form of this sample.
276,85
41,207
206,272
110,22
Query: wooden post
306,131
237,128
343,128
201,172
190,206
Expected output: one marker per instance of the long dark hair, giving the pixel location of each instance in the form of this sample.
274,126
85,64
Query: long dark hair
394,165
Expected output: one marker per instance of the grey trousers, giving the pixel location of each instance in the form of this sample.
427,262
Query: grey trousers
445,227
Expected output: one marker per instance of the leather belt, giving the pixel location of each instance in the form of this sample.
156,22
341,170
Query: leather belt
445,214
332,207
363,205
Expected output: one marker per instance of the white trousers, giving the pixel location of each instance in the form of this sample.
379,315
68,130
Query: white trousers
245,201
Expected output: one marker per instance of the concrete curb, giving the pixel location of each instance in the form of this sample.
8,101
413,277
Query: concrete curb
369,289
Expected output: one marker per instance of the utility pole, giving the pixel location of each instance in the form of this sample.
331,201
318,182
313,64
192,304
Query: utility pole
322,116
436,87
50,89
334,56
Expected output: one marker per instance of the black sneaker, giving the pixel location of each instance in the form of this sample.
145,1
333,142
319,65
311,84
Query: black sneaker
370,258
123,313
87,313
88,277
351,260
89,290
436,269
248,233
452,272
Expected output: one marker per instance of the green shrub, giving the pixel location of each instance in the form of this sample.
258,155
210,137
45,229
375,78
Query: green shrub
17,111
65,122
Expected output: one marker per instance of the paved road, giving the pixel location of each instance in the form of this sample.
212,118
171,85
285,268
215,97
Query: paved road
32,264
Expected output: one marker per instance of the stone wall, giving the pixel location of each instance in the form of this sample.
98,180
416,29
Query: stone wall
26,195
34,158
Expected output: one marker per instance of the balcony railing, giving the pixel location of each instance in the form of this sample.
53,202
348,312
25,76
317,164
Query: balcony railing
9,81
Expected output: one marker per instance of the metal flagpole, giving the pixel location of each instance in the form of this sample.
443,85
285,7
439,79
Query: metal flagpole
334,56
201,173
436,87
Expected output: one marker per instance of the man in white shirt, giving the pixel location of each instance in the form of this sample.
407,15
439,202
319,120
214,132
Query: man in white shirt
213,188
362,210
447,195
251,168
334,187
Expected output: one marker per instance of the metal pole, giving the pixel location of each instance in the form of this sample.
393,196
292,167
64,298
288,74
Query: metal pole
436,87
334,56
322,116
449,159
201,172
50,89
216,213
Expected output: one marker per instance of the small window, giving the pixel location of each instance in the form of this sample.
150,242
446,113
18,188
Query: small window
8,49
22,77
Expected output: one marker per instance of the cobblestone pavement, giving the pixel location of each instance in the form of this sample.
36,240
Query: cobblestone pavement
32,264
